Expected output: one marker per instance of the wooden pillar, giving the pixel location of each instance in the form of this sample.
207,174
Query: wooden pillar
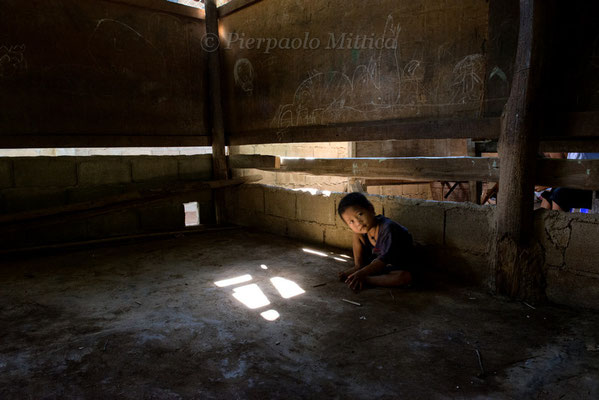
210,44
518,258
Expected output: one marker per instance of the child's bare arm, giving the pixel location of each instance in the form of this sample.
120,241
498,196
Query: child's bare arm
358,250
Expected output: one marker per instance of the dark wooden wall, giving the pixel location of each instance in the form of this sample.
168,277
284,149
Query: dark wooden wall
100,73
436,70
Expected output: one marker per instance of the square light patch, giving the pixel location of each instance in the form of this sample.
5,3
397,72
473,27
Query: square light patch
286,287
251,295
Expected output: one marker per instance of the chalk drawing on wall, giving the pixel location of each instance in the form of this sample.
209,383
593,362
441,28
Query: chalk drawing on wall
243,72
12,60
467,81
332,95
385,84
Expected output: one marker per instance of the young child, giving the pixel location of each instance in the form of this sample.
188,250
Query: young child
382,248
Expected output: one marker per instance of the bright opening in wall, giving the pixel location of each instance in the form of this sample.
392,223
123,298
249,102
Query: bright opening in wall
192,213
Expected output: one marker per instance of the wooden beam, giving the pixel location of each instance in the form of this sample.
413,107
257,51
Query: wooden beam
163,6
407,168
254,161
573,145
210,44
47,141
395,129
233,6
577,174
394,182
577,125
573,124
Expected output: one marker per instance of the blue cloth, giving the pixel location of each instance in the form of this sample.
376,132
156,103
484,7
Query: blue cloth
583,156
393,245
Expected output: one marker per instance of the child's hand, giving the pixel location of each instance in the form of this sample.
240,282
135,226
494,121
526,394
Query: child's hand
355,281
344,274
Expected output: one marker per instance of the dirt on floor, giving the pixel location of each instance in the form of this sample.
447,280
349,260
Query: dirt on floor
148,320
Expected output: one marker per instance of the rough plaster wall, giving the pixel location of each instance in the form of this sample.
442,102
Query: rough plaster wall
28,184
569,241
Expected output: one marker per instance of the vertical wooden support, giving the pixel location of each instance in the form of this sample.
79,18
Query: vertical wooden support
518,259
219,159
475,187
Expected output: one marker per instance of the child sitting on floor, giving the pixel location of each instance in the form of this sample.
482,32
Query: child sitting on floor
382,248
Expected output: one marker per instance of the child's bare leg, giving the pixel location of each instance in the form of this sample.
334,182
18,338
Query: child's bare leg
392,279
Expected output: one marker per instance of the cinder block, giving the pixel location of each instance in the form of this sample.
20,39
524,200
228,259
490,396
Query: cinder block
568,288
195,167
583,252
315,208
166,217
338,237
468,227
25,199
154,168
308,231
280,202
98,171
270,224
115,224
424,220
45,172
5,174
250,198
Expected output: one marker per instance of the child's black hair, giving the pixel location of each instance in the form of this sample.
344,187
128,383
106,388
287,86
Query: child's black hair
352,200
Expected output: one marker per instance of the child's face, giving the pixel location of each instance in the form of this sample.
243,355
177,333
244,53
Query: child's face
359,219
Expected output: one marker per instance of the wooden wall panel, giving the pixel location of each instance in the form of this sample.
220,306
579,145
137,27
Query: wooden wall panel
432,66
82,71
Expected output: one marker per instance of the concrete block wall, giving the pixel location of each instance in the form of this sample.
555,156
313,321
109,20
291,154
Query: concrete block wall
459,232
457,237
34,183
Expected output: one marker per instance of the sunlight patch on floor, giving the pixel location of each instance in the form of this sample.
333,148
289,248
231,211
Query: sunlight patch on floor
233,281
251,296
286,288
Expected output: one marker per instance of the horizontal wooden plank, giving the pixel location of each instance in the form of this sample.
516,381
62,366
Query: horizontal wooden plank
67,141
574,124
578,174
254,161
164,6
395,129
393,182
234,6
574,145
408,168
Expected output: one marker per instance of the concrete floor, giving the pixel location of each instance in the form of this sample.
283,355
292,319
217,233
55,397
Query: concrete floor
146,320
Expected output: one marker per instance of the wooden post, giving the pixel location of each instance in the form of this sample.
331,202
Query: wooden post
475,187
210,44
518,259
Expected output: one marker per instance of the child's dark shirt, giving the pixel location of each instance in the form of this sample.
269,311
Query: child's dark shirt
393,245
